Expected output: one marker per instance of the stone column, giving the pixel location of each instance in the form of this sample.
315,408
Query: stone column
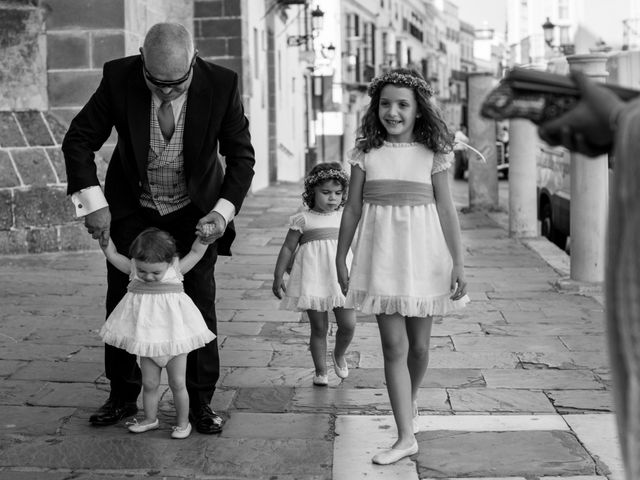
483,177
589,194
523,218
23,79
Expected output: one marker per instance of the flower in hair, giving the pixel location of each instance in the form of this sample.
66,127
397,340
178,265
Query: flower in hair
401,80
322,175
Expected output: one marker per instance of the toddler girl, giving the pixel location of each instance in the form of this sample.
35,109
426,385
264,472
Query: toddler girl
407,265
313,283
157,321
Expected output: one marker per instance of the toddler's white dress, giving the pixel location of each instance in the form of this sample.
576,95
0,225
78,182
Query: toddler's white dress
313,281
401,261
155,319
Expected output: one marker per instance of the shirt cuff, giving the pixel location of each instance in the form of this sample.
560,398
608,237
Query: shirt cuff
88,200
226,209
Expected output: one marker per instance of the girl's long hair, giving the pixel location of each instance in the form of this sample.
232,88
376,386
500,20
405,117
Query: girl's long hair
429,129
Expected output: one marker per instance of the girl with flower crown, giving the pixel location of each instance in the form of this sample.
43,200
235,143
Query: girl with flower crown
313,282
408,256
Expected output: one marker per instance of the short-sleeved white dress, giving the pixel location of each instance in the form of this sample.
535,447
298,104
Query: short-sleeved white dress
313,281
401,261
155,319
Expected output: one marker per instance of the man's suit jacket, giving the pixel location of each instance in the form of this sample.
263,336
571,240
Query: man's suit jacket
214,120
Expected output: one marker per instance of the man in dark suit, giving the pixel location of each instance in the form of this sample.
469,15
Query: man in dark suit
172,112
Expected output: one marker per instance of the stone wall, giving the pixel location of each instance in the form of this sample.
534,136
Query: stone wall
35,212
217,30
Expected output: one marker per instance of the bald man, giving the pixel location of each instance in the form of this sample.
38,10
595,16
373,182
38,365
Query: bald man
173,112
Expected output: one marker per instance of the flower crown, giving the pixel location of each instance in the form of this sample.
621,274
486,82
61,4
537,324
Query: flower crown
400,79
322,175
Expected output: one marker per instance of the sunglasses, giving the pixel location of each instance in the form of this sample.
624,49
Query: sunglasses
167,83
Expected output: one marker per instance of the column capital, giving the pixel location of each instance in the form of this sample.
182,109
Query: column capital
591,64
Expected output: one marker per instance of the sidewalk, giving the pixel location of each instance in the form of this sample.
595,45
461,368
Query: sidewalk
518,385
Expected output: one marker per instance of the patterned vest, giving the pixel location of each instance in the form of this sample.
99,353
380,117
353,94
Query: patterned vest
165,188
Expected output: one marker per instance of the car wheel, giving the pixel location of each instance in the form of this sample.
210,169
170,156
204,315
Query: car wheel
547,229
458,170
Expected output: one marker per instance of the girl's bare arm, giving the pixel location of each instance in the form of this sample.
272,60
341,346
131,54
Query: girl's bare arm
284,259
451,229
116,259
198,249
349,223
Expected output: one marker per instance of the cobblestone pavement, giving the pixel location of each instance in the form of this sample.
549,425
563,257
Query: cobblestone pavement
518,385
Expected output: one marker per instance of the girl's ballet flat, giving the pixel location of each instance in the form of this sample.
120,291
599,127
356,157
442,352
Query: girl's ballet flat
342,372
321,380
141,428
181,432
387,457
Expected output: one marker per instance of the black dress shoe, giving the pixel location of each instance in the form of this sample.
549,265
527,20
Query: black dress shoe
206,420
112,412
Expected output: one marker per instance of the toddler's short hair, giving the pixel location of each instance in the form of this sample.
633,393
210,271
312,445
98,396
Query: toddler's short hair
153,245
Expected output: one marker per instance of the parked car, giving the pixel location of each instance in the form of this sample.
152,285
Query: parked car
553,192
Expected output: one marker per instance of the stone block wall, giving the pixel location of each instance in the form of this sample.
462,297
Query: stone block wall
23,80
217,30
35,212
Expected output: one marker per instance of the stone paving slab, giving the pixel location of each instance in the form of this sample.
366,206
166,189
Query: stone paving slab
585,401
277,425
508,344
263,377
58,372
598,434
494,400
571,477
542,379
236,458
245,358
564,360
357,439
446,454
435,378
481,360
23,420
343,400
263,399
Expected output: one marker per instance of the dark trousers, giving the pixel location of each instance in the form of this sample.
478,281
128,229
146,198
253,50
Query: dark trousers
203,364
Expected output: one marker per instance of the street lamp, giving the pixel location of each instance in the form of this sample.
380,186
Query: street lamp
317,20
548,27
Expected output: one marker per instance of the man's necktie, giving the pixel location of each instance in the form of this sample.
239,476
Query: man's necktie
165,119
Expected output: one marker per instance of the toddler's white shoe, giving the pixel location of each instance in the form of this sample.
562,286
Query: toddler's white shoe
181,432
136,427
321,380
342,372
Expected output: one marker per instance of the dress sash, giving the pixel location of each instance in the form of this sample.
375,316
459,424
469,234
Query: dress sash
397,193
319,234
139,286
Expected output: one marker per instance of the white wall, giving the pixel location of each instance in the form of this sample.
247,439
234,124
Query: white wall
255,87
290,103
